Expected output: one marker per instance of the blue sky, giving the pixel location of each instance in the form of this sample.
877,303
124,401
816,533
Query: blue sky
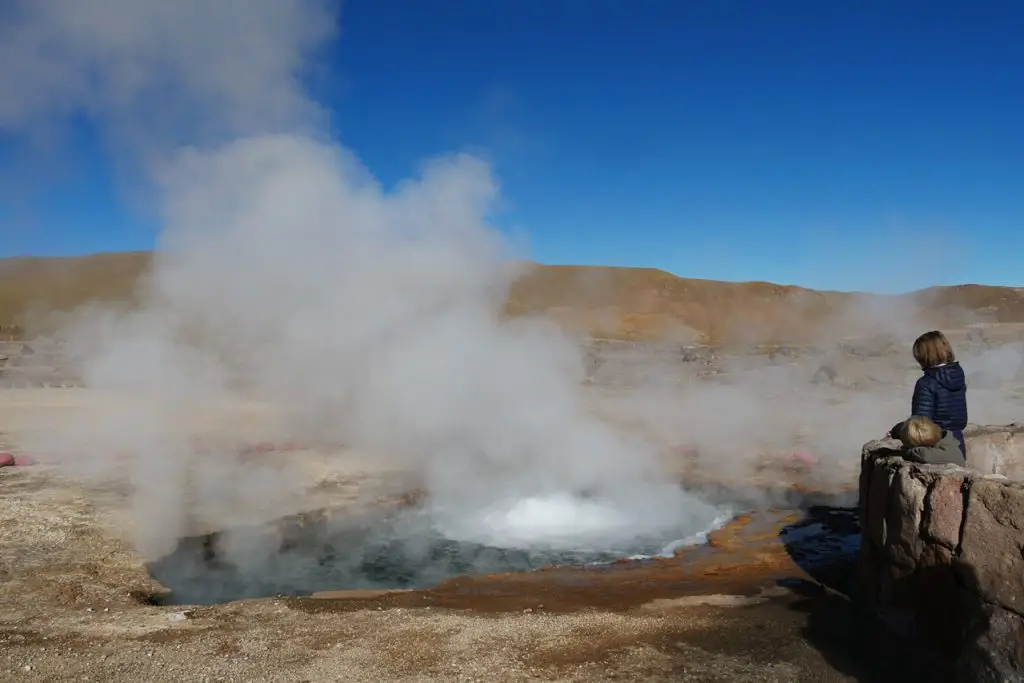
858,145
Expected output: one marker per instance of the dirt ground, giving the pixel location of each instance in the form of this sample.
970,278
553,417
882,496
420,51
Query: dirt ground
77,603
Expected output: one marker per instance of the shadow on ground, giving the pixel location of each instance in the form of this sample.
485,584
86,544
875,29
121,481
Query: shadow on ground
825,544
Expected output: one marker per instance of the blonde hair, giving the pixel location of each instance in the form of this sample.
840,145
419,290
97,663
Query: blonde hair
920,431
931,349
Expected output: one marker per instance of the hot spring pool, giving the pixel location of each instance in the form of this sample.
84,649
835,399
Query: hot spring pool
418,548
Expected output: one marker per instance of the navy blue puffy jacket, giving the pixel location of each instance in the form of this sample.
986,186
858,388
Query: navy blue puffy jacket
941,394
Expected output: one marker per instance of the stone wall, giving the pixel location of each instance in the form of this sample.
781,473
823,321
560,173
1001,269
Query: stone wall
942,550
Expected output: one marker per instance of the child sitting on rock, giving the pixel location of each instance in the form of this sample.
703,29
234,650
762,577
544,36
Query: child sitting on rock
926,442
940,394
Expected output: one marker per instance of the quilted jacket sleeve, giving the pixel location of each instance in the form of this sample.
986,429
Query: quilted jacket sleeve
923,402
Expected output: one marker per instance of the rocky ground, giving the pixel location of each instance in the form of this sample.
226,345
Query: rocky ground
77,602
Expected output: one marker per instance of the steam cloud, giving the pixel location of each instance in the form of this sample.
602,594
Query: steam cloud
285,271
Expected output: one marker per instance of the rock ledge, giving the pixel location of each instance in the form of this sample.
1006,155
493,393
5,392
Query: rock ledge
942,550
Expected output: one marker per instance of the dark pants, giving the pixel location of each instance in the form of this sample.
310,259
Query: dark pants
960,437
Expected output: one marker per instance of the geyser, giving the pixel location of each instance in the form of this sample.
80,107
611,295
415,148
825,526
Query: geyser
415,547
286,274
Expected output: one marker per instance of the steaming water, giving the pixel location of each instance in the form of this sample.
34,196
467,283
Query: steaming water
567,522
422,547
553,521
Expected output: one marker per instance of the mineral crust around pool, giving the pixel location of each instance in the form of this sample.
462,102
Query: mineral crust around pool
744,558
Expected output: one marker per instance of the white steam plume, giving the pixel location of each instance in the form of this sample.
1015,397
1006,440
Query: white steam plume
159,73
286,272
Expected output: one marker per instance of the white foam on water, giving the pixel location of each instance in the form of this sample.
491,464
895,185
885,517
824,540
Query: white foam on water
696,539
559,520
567,522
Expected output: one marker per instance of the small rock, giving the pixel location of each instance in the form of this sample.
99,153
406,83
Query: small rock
826,374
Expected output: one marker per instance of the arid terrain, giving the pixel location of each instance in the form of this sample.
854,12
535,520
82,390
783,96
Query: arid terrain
768,597
612,303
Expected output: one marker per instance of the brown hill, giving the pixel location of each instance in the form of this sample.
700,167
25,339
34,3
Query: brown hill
644,303
625,303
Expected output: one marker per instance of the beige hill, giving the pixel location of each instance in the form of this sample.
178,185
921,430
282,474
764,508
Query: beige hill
617,303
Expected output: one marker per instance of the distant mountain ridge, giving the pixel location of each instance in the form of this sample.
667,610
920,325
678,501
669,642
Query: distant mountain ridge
607,302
